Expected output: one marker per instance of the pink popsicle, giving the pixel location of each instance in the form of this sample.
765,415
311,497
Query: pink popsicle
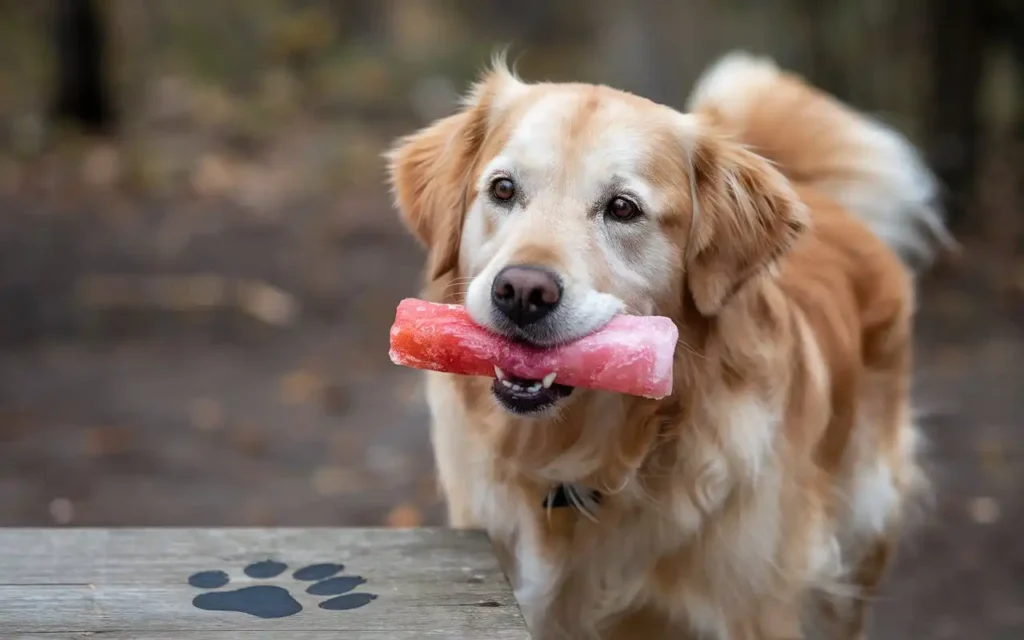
631,354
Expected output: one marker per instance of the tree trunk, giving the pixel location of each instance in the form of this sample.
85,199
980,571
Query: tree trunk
823,69
1006,21
957,45
82,94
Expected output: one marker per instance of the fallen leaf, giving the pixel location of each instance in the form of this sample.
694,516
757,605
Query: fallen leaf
259,190
258,514
420,29
183,293
267,303
62,510
187,293
984,510
303,32
333,481
387,462
405,516
213,176
248,439
101,167
301,386
103,441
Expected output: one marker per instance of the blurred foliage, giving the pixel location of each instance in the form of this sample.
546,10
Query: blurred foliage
239,75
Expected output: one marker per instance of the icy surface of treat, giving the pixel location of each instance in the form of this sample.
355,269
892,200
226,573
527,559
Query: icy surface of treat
631,354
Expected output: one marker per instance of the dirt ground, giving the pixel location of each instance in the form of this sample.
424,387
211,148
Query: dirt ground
276,405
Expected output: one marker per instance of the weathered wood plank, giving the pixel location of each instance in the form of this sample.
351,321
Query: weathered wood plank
127,583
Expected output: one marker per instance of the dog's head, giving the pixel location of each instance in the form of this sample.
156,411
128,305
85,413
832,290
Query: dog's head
549,208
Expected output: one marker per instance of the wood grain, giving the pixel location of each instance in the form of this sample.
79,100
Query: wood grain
132,583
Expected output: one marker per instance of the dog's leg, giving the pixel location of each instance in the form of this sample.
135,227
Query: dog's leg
455,487
889,476
448,441
867,577
459,515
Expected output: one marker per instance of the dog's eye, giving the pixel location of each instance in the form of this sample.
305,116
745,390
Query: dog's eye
503,189
622,209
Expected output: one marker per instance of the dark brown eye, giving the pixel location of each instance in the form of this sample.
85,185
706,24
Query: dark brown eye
503,189
622,209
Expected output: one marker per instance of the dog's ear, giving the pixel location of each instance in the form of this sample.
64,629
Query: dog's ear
430,171
747,216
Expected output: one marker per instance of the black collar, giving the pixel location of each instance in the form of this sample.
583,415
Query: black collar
559,497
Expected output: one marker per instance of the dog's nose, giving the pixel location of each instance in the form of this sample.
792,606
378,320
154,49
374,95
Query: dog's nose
525,294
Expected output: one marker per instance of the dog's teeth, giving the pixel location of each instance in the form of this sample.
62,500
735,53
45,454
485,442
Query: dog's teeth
548,380
535,387
507,383
498,373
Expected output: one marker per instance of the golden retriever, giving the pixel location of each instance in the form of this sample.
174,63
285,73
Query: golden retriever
780,230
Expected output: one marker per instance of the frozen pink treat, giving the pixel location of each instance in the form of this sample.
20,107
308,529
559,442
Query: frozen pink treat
631,354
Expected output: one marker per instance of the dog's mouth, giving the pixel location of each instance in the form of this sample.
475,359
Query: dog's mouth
523,396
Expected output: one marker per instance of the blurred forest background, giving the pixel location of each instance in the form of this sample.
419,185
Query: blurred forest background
199,262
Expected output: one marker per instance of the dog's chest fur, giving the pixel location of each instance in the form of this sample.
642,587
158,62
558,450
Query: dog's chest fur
672,549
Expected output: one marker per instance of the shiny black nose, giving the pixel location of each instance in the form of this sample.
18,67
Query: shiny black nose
525,294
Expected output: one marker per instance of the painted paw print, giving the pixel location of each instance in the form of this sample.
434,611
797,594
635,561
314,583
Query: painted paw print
273,601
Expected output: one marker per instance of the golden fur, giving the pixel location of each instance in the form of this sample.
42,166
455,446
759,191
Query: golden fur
765,495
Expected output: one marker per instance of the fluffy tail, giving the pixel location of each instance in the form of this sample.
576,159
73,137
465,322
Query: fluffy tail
871,170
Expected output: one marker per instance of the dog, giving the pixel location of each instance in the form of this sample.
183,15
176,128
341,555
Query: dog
782,231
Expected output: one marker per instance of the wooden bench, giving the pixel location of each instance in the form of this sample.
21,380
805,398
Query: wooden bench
222,584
